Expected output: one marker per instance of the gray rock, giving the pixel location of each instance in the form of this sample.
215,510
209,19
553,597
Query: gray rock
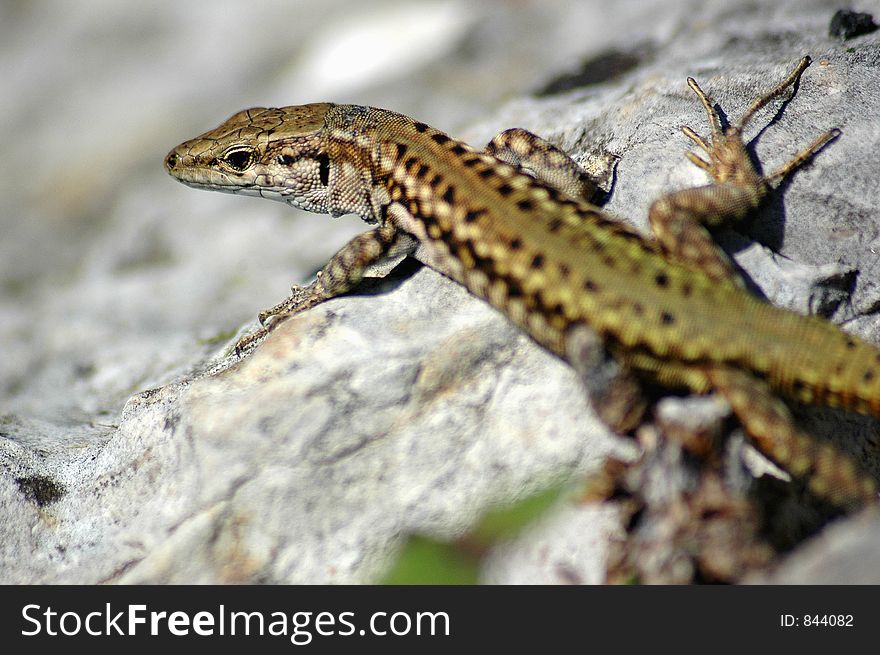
845,553
569,546
408,406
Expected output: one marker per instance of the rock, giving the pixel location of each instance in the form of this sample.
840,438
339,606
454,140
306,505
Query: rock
844,554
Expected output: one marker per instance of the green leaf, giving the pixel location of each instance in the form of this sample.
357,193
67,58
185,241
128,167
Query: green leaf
424,561
506,522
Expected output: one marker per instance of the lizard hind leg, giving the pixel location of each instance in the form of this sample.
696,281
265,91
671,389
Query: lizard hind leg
829,473
727,156
680,220
613,389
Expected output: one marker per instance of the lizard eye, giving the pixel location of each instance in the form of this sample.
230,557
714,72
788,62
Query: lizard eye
239,159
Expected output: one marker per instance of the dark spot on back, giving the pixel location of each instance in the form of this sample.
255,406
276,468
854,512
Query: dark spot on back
554,225
661,279
401,150
458,149
666,318
473,215
471,161
554,195
423,170
850,344
482,263
537,261
449,195
514,290
589,285
486,173
525,204
505,189
868,376
564,270
440,138
420,127
515,244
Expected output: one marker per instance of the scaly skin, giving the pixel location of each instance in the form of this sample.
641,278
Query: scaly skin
672,310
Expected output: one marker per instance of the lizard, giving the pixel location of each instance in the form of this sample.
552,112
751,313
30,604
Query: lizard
514,223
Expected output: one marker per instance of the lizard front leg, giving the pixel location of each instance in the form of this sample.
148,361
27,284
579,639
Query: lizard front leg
548,163
363,254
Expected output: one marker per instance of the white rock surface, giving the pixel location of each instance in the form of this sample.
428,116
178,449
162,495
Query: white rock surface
409,406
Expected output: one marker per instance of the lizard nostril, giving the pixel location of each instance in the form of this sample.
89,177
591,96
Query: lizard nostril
171,161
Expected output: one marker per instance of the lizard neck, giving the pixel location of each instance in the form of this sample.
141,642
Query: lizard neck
386,157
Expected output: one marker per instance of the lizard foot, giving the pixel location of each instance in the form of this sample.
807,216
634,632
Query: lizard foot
728,160
300,299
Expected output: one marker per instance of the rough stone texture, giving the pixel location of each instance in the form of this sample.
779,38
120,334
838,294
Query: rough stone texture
408,406
568,547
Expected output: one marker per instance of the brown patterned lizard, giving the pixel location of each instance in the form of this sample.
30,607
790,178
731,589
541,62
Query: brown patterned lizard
513,223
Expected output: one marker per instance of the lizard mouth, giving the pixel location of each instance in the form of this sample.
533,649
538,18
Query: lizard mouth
208,178
184,168
234,188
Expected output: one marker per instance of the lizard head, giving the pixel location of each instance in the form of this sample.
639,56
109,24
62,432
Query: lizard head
273,153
